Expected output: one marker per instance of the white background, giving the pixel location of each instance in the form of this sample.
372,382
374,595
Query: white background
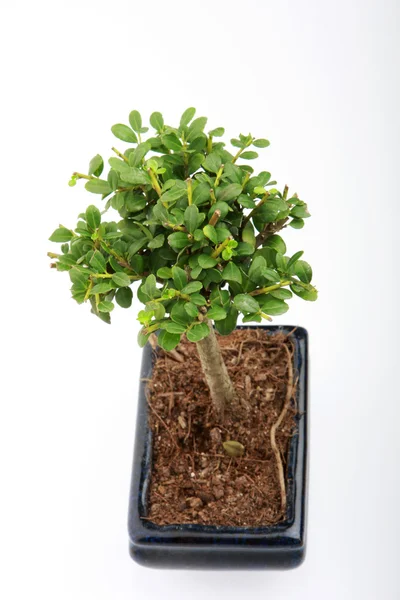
318,79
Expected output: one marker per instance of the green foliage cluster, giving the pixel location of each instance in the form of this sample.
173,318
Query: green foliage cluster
196,226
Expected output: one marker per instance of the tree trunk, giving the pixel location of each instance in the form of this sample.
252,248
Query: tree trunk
220,384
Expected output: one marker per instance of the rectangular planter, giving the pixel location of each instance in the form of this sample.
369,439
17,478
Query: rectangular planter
187,546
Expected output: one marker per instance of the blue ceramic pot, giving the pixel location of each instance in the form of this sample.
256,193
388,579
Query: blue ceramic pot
186,546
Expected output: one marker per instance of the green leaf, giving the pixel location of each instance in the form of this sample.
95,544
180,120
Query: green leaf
270,274
309,294
135,121
300,212
67,259
135,176
121,279
179,277
191,217
206,261
244,249
173,194
250,155
112,179
164,273
118,165
196,127
210,232
142,338
179,314
198,235
212,162
124,133
274,306
198,299
229,192
217,132
211,276
134,201
191,309
248,234
79,277
252,317
281,262
172,142
103,316
136,246
172,327
160,213
124,297
246,303
105,306
257,266
223,208
136,157
227,325
201,194
98,186
222,233
192,287
261,143
149,286
237,143
246,201
297,223
60,235
303,271
275,242
216,313
187,117
198,332
232,273
168,341
282,294
195,162
156,242
157,308
157,121
93,217
220,298
98,262
101,288
179,240
117,201
96,166
272,210
294,259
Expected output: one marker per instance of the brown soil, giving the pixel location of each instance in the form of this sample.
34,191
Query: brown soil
193,478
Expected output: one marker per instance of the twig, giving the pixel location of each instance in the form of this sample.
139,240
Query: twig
239,356
254,483
275,427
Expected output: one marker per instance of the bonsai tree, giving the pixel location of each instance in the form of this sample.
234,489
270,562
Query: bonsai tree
196,227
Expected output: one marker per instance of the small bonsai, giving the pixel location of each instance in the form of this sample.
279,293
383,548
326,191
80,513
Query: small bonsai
197,228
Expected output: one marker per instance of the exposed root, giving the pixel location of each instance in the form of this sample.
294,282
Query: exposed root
275,427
